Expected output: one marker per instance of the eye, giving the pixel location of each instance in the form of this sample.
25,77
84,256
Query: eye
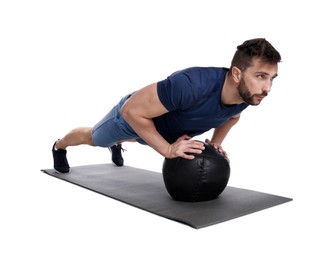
261,76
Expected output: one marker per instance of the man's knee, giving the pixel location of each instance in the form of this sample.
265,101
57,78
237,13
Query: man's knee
88,136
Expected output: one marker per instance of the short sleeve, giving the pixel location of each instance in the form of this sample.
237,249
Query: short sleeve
177,92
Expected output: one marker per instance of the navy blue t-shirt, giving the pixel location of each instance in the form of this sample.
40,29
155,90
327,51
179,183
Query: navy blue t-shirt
193,99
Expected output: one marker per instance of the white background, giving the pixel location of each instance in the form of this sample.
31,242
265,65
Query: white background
64,64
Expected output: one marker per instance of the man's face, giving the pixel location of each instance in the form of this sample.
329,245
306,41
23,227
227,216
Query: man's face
256,81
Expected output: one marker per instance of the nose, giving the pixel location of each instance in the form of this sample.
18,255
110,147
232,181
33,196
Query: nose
267,87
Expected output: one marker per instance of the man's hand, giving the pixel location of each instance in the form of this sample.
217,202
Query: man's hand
184,147
218,147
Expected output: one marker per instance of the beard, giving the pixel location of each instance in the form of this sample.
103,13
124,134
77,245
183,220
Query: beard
245,94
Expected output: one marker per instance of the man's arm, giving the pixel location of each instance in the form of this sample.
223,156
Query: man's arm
140,109
221,132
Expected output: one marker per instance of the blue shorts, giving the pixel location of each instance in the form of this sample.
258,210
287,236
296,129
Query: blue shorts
113,128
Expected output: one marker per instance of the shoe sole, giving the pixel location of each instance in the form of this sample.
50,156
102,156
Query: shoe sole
61,172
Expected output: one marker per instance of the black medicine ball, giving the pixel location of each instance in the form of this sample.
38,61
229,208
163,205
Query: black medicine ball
202,178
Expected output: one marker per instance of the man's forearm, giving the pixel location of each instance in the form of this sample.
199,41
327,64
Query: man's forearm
221,132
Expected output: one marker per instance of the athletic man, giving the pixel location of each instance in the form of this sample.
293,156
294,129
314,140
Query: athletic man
166,115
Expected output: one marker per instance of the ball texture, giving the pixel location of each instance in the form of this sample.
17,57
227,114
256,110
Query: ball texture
200,179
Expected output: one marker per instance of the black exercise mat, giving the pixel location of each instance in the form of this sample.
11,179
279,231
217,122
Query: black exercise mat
145,190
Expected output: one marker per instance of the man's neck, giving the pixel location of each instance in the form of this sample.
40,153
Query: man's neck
230,94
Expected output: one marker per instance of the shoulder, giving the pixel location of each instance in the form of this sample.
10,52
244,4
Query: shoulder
200,75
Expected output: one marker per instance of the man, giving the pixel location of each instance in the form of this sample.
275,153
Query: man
167,114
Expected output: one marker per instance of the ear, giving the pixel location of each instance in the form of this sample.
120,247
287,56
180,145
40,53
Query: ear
236,74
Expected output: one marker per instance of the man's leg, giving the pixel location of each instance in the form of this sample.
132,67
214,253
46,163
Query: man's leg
108,131
80,135
77,136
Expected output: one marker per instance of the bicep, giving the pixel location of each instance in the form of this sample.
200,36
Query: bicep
145,103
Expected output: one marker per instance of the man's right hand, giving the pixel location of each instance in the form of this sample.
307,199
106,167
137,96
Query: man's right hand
184,147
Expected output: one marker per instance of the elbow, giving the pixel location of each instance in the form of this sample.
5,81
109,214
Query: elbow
126,112
235,118
130,114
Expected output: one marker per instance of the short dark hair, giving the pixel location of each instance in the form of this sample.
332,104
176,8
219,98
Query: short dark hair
254,48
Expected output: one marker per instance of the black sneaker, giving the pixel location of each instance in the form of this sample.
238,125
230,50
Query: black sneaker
116,154
60,161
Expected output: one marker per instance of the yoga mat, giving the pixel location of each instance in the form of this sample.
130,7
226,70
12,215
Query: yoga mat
145,190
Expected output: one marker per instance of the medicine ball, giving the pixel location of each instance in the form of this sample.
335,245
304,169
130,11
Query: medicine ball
200,179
